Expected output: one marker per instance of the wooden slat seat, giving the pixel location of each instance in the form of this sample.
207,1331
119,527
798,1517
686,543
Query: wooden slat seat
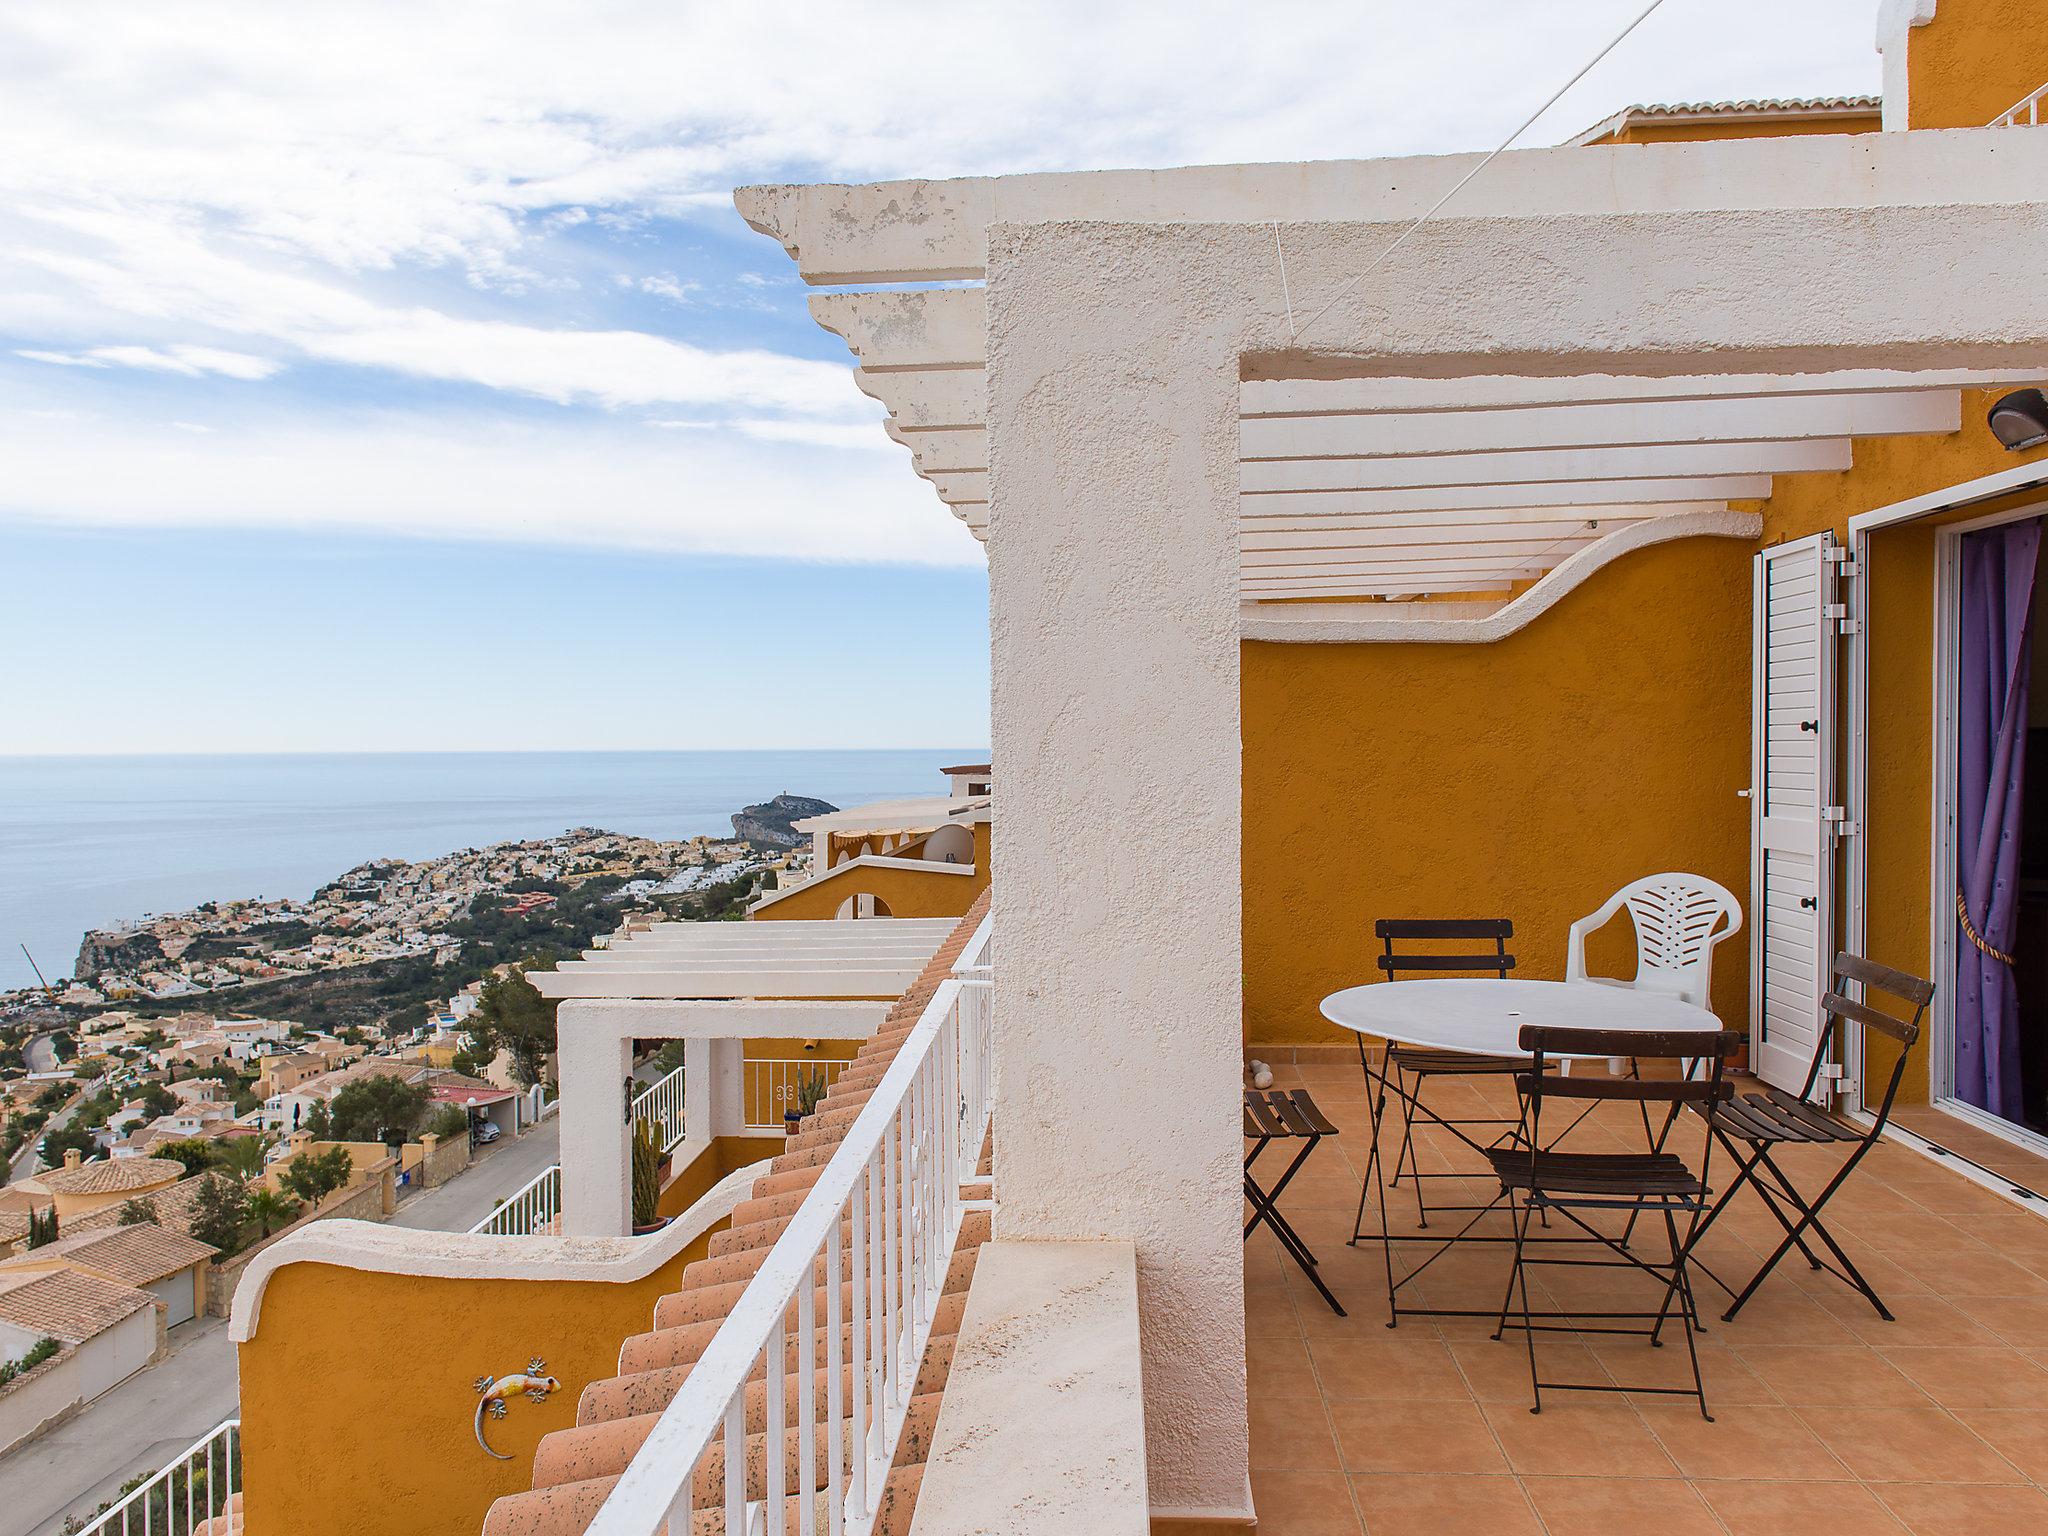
1595,1173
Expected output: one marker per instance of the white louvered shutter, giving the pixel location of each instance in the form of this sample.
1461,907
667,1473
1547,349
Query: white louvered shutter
1792,786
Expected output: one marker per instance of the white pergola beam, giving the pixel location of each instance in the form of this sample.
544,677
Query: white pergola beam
580,979
1394,587
1583,493
1345,397
1651,423
1454,527
1302,562
1273,532
1546,466
937,230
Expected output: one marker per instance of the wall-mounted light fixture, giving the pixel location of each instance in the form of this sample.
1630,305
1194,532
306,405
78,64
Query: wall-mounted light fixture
2020,420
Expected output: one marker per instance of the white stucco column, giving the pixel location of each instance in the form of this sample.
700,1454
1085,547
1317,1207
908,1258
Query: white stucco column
595,1057
1114,621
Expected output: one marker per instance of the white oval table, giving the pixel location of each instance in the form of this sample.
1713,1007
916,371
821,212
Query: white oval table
1479,1017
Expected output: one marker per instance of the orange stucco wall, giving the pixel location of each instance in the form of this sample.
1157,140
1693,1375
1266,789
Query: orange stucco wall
1974,60
1528,779
906,892
1654,132
358,1394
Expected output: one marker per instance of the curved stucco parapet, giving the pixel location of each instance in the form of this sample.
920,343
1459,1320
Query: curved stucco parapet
1330,624
379,1249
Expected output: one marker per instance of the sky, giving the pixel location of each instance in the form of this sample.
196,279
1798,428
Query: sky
399,377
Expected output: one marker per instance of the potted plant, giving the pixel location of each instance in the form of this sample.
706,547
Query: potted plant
809,1089
646,1178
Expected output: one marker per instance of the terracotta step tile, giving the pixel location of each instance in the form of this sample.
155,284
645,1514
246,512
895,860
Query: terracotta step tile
563,1510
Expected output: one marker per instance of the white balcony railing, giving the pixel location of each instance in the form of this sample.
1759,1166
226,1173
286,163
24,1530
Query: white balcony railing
878,1229
2026,112
534,1208
196,1487
663,1104
772,1085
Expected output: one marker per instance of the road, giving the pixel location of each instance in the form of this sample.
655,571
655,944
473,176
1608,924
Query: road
156,1413
25,1160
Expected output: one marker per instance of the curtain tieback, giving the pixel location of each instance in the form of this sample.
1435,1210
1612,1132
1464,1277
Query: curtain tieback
1976,938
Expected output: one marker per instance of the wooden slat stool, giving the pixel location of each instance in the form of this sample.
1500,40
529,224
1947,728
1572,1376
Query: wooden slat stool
1276,1116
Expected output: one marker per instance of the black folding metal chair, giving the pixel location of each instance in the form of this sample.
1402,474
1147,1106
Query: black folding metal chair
1536,1179
1276,1116
1774,1118
1416,1065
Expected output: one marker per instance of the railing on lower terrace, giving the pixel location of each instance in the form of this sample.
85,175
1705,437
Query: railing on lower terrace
198,1486
884,1214
2026,112
663,1104
535,1207
770,1087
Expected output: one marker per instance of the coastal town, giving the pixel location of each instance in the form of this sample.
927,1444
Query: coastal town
209,1080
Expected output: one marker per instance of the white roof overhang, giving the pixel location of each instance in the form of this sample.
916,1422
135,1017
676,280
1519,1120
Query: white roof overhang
1392,487
877,957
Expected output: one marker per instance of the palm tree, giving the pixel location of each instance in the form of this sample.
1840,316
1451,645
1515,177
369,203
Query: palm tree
242,1156
267,1207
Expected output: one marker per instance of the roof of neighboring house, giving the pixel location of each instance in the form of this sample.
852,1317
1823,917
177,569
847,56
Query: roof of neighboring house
15,1200
111,1176
970,768
69,1304
141,1254
171,1206
1732,111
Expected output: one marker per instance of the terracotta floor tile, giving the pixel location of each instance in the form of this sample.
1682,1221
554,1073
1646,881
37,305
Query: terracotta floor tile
1304,1504
2020,1437
2019,1320
1961,1377
1279,1367
1853,1375
1415,1437
1444,1506
1747,1444
1730,1383
1578,1436
1798,1509
1388,1368
1906,1445
1292,1434
1974,1270
1604,1506
1920,1320
1935,1510
1497,1371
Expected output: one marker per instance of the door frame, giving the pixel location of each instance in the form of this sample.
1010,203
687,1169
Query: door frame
1855,916
1942,949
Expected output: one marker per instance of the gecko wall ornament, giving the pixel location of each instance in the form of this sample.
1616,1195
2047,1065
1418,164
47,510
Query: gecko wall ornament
493,1392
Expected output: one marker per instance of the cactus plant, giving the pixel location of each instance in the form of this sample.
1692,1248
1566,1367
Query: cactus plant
810,1088
646,1173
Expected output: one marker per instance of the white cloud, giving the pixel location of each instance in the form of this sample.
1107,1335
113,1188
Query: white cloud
477,479
192,362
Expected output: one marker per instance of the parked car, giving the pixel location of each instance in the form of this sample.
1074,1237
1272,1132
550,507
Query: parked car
483,1133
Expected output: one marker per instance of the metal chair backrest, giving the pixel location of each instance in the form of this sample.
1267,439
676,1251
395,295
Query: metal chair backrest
1835,1009
1704,1085
1474,933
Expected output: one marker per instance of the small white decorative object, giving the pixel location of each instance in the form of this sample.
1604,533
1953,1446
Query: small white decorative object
1262,1075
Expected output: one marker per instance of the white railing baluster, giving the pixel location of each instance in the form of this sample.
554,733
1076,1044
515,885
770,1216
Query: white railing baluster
203,1501
2028,106
885,1212
530,1209
662,1103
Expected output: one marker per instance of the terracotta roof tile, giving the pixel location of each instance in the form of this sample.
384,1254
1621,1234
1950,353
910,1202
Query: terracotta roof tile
141,1254
172,1206
70,1305
110,1176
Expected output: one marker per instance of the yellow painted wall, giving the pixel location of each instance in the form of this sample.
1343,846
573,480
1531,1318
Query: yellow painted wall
358,1396
1974,60
1655,132
1528,779
907,892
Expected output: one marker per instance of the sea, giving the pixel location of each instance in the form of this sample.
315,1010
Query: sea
87,842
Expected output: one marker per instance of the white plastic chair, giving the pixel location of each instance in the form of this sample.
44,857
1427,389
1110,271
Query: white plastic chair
1678,920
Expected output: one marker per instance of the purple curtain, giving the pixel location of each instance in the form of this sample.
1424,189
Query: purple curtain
1991,760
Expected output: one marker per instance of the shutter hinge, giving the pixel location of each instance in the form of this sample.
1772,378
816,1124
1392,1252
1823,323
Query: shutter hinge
1837,818
1831,1069
1839,612
1840,554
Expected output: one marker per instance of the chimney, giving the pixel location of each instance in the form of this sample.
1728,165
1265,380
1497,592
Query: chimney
73,1157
